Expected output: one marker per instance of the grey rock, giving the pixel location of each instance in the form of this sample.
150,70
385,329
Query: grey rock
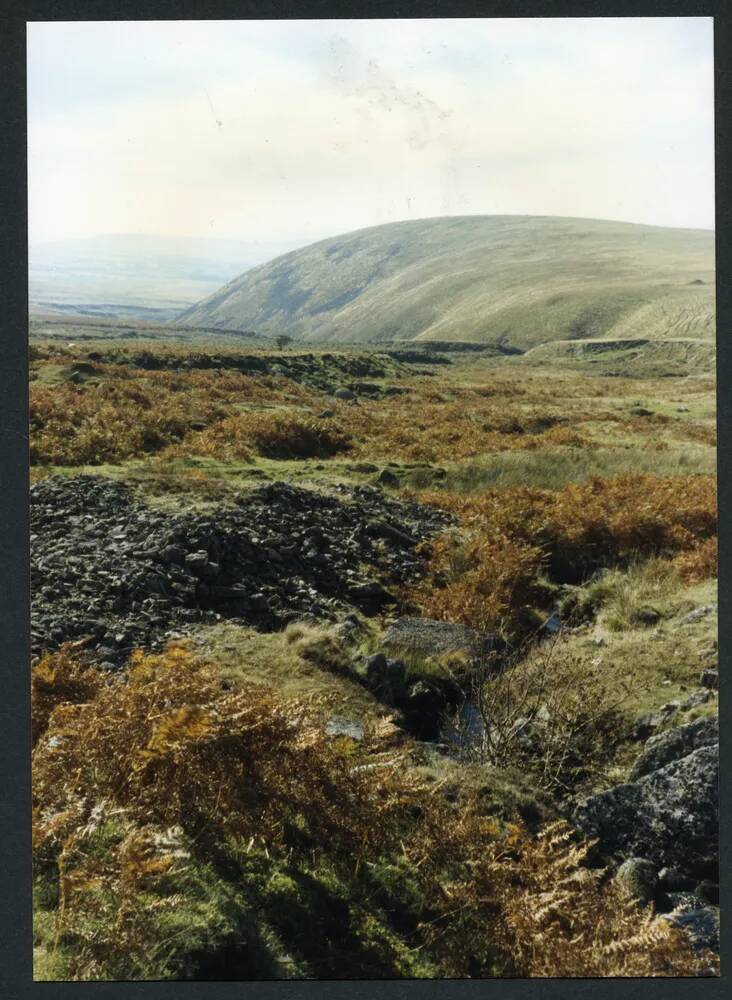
104,563
673,745
702,925
348,395
696,698
639,877
430,637
380,529
708,891
670,816
701,612
339,725
196,560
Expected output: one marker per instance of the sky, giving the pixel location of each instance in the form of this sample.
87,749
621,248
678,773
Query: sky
290,131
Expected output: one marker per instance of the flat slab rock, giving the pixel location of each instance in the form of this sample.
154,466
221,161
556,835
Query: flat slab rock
108,567
431,637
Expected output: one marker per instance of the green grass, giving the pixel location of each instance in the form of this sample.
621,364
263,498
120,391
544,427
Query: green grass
642,358
514,280
552,468
308,667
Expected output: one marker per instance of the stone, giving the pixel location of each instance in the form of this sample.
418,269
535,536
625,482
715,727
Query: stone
339,725
710,679
644,726
696,698
430,637
639,877
702,925
347,395
708,890
104,563
673,745
669,816
196,560
698,613
380,529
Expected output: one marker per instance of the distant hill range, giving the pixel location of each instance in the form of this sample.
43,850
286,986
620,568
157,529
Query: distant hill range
135,277
509,281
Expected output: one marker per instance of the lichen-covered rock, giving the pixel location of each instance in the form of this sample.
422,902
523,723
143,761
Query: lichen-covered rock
670,816
639,877
673,745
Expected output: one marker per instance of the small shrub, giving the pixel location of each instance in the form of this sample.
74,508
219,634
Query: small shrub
536,717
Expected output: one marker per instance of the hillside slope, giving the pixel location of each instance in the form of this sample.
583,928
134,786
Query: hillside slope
515,280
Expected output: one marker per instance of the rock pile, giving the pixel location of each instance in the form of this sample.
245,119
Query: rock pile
106,565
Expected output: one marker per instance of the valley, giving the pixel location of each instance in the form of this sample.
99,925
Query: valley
313,632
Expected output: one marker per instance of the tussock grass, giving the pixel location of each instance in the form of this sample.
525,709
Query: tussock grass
633,597
553,467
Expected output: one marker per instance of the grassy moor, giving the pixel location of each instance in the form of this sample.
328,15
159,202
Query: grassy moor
396,660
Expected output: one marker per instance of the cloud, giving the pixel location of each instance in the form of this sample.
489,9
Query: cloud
306,129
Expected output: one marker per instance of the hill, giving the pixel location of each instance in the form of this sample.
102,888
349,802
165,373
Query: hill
506,280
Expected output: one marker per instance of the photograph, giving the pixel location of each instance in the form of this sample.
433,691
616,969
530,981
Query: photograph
372,431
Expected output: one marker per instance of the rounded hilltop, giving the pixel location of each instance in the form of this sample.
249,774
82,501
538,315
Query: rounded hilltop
514,281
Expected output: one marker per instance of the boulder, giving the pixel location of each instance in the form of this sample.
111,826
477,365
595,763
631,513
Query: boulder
701,612
639,877
669,816
702,925
673,745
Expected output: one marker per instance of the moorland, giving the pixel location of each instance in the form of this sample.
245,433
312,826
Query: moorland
379,660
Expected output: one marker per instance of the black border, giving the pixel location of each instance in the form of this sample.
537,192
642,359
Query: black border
15,864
